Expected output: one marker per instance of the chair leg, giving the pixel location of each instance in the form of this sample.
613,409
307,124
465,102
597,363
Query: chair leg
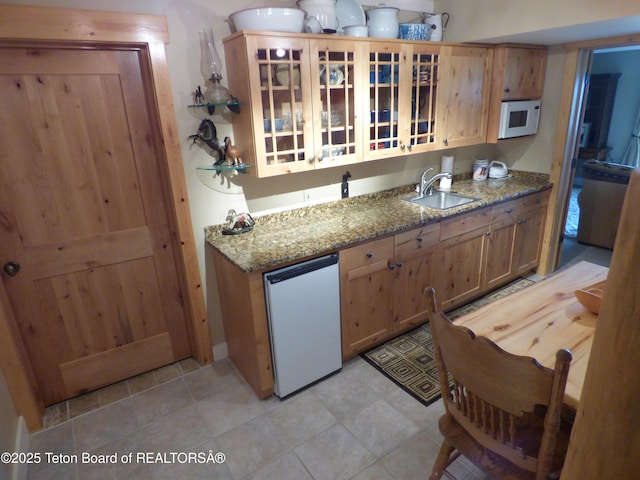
442,461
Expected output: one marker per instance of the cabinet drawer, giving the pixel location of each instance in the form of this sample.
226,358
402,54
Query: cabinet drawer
506,211
367,254
535,200
464,223
411,242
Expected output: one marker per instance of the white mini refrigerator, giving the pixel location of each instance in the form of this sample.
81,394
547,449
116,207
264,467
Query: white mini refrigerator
303,306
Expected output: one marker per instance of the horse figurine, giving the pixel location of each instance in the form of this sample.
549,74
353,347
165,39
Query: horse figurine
238,222
208,135
232,153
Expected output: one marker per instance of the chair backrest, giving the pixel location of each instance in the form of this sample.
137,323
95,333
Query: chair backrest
509,404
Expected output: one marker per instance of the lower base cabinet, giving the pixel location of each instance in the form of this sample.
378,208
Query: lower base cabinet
484,249
366,295
463,243
382,287
382,282
416,253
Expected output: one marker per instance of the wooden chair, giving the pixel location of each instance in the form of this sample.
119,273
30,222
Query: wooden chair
503,412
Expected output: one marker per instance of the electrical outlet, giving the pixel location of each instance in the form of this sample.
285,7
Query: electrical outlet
306,196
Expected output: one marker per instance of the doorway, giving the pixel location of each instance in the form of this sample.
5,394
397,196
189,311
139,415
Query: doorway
568,177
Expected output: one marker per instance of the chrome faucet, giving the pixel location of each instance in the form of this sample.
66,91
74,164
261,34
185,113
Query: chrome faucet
426,186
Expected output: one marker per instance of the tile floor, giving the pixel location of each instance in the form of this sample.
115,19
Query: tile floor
573,251
356,424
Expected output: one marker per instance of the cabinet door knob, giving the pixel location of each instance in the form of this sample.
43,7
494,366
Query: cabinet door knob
11,268
399,264
488,234
509,210
392,266
507,90
369,255
402,147
419,239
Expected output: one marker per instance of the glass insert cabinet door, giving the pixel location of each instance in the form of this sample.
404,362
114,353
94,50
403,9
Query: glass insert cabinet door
385,72
402,99
338,141
282,134
307,105
424,76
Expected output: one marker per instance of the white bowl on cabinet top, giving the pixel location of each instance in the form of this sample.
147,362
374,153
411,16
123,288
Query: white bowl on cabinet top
273,19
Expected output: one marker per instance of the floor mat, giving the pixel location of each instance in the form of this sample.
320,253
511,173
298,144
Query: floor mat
408,359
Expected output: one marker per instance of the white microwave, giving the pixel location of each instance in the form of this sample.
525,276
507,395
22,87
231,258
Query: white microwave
519,118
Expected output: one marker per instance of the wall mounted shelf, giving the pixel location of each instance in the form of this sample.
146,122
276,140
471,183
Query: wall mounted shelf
211,107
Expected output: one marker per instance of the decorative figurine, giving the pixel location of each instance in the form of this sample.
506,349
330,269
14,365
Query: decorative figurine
198,97
232,153
238,223
208,135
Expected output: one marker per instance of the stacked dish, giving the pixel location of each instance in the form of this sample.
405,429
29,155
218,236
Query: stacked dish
279,19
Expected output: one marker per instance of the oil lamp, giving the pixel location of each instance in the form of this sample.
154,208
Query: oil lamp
211,67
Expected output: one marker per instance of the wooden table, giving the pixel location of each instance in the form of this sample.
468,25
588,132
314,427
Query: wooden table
542,318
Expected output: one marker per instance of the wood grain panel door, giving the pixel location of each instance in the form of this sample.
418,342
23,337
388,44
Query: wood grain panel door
84,214
464,87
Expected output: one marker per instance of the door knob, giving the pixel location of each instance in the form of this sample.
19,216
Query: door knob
11,268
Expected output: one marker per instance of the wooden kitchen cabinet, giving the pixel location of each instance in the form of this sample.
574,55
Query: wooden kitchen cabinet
518,74
382,287
529,231
514,239
461,257
402,80
415,258
366,295
302,103
306,109
485,249
464,88
501,244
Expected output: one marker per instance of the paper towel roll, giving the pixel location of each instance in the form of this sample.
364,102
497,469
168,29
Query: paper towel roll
446,165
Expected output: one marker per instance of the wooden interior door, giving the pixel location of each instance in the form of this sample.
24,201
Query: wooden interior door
84,214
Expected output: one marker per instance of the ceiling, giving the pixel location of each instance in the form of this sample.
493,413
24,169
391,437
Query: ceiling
574,33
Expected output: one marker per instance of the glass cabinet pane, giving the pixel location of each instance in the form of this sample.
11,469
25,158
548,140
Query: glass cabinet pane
337,101
282,109
423,99
384,72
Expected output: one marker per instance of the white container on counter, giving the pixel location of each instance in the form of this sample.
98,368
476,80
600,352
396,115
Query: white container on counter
480,169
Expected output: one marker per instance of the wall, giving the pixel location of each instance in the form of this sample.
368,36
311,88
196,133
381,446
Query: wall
627,101
494,19
8,426
209,204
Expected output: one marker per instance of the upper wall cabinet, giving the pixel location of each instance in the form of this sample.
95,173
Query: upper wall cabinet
302,99
523,72
464,87
401,111
518,74
317,101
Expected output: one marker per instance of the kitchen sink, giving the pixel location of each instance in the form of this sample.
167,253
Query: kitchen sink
441,200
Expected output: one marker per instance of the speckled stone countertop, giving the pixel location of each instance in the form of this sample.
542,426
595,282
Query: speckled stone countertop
315,230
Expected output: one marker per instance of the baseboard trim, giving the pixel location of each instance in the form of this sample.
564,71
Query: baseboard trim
22,446
220,351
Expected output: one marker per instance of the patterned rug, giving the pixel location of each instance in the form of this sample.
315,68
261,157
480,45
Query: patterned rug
408,359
